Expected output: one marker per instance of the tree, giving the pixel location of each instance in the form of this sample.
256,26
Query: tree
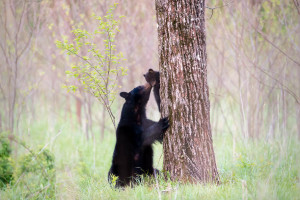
188,146
97,69
20,23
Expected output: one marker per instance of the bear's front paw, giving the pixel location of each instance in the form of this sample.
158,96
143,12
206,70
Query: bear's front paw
164,124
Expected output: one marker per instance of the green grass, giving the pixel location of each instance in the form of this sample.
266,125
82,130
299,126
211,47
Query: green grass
253,169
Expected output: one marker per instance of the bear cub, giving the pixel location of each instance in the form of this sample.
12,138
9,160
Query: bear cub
152,77
133,153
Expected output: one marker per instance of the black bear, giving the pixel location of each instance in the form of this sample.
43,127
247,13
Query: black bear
152,77
133,154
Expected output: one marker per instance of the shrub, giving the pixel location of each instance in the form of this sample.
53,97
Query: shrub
6,168
38,170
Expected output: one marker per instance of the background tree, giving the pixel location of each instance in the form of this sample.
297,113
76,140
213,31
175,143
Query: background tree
19,22
98,68
188,146
253,49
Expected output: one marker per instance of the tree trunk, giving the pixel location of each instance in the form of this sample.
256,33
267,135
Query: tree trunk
78,110
103,122
188,146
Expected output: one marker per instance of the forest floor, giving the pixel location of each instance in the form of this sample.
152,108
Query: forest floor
248,168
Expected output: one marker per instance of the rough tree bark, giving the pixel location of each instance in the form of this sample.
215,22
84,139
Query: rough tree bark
188,146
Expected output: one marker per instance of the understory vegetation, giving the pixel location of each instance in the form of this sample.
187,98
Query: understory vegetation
57,161
56,144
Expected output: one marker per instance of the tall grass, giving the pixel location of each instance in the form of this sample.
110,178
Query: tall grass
249,169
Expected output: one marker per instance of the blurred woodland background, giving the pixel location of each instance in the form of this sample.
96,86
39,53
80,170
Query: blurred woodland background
253,49
253,64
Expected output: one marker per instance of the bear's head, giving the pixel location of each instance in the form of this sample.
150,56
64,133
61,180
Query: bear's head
137,98
152,77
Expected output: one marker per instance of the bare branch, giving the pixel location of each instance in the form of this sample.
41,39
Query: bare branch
265,37
213,8
297,5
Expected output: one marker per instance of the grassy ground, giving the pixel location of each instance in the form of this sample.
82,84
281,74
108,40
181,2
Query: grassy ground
253,169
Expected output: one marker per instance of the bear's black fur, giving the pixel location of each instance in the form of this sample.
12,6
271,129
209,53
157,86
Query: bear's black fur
133,154
152,77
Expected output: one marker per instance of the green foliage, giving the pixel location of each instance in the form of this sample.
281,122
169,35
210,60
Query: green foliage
36,171
267,169
41,161
270,19
113,180
98,68
6,168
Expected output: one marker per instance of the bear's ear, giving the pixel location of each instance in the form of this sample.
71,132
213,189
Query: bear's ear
151,70
125,95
